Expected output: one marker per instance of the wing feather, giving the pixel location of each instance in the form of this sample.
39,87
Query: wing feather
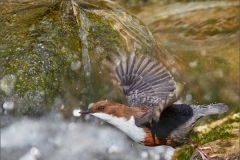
144,81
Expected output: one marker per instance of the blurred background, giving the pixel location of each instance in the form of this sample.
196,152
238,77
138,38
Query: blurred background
51,65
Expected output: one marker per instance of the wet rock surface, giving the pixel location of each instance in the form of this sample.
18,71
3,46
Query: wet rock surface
202,38
47,52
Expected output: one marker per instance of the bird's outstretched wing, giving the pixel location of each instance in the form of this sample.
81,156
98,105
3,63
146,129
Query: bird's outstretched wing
145,83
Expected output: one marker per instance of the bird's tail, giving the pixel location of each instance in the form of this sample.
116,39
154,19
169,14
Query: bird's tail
204,110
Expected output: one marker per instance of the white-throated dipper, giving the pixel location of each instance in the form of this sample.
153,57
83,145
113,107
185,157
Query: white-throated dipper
151,118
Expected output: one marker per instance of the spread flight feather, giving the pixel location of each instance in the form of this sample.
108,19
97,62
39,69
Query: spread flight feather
145,82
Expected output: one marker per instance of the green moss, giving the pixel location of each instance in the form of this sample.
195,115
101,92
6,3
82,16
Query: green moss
237,110
231,120
220,132
184,153
102,34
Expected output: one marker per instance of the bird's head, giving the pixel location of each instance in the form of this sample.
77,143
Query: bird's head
106,107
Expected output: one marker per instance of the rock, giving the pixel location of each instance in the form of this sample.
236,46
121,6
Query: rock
47,53
198,43
223,138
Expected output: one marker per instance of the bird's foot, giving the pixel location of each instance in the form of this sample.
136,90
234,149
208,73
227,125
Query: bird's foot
206,148
203,154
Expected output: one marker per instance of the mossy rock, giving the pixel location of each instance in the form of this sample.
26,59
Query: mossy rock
47,53
222,136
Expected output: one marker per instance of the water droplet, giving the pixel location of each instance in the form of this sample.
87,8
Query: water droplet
7,83
189,97
75,66
144,155
88,74
193,63
8,105
62,106
35,152
173,70
76,113
113,149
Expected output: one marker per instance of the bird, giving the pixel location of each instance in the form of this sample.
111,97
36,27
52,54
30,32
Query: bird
151,117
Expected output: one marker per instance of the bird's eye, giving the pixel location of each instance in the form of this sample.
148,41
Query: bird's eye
101,108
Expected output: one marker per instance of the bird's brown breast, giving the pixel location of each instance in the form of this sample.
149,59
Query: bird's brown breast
152,139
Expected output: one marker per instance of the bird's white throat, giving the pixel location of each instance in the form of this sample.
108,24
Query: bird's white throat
127,126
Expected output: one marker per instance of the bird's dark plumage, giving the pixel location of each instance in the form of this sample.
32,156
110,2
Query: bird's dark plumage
178,120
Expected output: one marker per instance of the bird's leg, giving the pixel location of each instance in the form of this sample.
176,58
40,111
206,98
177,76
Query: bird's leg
203,154
201,151
206,148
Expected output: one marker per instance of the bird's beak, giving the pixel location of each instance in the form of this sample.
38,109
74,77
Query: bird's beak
85,112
